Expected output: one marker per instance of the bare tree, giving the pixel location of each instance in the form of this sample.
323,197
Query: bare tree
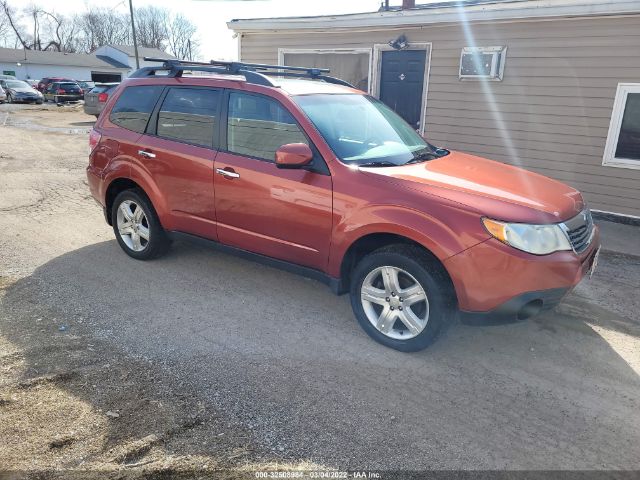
181,42
13,20
37,28
102,26
151,26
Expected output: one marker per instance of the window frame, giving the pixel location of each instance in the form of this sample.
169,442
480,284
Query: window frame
318,164
497,71
152,126
619,105
338,51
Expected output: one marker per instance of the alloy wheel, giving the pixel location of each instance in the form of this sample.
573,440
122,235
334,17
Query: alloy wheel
133,225
395,302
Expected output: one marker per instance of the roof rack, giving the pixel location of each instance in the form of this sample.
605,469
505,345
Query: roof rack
256,73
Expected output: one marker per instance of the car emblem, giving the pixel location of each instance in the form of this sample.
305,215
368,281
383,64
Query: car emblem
402,77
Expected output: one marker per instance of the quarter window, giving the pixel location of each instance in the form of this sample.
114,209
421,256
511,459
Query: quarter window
623,141
258,126
133,108
189,115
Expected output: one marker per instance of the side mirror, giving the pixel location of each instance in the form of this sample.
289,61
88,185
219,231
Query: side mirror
293,155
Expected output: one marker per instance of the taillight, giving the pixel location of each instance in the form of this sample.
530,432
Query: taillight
60,91
103,97
94,140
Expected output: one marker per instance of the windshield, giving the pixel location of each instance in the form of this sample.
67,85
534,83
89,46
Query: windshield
17,84
364,131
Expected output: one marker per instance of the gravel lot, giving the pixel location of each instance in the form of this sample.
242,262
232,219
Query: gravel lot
201,361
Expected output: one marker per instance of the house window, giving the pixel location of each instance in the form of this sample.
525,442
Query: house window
623,141
482,63
352,65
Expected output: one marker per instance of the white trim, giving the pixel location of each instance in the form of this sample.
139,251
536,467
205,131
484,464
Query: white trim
239,46
378,48
625,215
609,159
447,14
368,51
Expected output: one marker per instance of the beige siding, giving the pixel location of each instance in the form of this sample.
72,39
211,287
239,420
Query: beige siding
551,112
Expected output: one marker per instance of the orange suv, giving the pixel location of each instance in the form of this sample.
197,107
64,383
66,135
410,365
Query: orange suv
299,170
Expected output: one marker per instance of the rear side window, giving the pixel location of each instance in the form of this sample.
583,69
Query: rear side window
189,115
134,106
258,126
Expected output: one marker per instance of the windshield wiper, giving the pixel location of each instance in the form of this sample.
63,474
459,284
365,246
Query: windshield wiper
381,163
428,155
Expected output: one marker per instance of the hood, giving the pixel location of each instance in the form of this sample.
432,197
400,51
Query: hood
492,188
23,90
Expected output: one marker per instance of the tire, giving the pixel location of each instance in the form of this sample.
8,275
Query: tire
418,275
9,98
39,102
146,222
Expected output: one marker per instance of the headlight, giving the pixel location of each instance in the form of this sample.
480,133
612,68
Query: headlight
536,239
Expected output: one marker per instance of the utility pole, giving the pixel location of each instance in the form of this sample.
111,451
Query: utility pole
133,28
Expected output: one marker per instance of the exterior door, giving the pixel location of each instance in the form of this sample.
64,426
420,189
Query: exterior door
178,150
285,214
402,81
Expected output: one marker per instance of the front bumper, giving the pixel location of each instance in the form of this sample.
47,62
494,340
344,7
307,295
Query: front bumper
494,279
27,99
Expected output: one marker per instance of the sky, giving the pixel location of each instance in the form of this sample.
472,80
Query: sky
210,16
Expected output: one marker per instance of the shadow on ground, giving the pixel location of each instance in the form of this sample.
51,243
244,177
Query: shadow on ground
216,361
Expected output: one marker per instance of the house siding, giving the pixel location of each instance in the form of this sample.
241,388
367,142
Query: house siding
551,112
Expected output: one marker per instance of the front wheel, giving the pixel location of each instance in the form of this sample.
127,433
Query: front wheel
401,297
137,227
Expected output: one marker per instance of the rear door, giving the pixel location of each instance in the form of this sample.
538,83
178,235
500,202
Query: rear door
285,214
177,151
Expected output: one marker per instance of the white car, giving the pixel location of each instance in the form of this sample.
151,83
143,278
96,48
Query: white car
3,95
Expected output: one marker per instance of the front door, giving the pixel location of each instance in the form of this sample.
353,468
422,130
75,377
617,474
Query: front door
401,83
285,214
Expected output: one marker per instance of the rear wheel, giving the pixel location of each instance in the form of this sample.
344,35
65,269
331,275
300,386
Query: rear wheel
9,98
137,227
401,298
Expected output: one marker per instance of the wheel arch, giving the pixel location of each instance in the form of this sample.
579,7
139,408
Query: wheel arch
371,242
117,186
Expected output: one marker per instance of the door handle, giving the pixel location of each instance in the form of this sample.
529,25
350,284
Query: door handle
227,173
144,153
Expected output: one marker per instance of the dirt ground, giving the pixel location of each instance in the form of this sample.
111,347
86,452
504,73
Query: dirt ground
203,365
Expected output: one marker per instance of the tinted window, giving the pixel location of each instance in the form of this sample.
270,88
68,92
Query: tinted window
133,108
258,126
189,115
629,138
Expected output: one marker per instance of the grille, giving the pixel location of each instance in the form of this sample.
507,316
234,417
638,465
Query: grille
580,230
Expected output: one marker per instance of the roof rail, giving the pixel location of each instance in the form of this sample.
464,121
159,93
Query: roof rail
256,73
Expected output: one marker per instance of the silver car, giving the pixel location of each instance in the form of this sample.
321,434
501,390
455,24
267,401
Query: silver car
96,99
3,95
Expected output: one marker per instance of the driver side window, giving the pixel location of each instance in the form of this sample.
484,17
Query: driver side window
258,126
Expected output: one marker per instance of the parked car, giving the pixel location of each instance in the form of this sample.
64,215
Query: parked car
20,92
3,95
86,85
320,178
96,99
46,81
63,92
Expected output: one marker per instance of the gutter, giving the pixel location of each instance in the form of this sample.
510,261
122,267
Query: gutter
534,9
